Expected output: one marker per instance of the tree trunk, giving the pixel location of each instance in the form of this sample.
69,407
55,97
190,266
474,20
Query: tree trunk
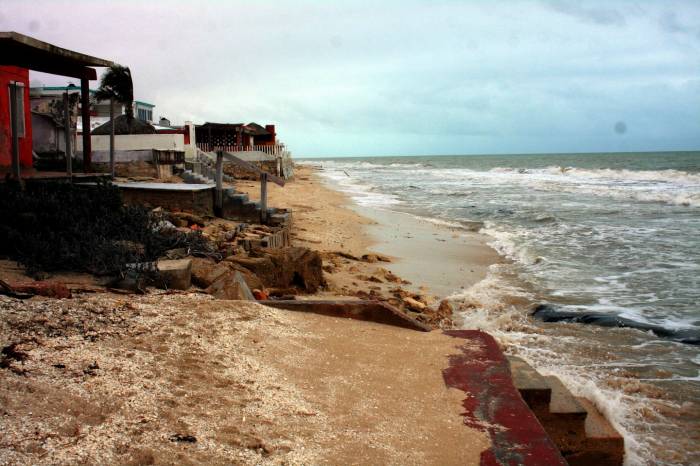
111,137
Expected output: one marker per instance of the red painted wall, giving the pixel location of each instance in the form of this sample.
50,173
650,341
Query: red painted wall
14,74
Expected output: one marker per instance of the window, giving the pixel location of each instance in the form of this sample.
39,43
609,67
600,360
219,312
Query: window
19,102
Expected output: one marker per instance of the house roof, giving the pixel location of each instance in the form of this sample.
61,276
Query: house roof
211,125
253,129
257,130
28,52
122,126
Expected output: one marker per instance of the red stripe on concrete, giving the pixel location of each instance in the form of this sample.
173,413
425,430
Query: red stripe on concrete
494,405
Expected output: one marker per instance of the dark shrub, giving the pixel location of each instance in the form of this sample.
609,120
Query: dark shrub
51,226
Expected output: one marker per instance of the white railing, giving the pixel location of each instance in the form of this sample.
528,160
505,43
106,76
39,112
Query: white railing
274,149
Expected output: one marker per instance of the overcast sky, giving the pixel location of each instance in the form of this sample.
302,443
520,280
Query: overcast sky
402,77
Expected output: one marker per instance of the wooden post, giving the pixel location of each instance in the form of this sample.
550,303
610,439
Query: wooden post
219,181
111,137
66,133
14,123
85,113
263,198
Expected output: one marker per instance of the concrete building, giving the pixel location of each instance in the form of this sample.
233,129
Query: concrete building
21,53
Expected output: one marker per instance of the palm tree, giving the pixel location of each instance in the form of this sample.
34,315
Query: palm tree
117,86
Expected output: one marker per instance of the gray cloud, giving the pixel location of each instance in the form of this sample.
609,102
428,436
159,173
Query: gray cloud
402,77
594,14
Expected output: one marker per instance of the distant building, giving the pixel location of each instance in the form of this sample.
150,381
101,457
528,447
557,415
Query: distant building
42,97
143,111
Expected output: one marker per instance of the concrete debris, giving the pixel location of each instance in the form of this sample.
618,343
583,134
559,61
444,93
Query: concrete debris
175,274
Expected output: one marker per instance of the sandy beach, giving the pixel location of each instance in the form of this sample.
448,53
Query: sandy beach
183,378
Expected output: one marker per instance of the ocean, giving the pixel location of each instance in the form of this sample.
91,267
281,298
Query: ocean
601,279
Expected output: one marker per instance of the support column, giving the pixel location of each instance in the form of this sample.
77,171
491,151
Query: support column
263,198
85,111
219,182
111,137
66,133
14,124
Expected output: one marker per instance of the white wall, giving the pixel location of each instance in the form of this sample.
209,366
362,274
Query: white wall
137,142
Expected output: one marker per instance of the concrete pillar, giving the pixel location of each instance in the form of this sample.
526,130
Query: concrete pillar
14,124
85,114
67,134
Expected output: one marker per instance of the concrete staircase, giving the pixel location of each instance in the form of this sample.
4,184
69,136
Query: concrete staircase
576,427
236,206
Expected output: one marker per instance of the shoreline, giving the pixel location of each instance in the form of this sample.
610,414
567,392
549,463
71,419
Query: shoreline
451,259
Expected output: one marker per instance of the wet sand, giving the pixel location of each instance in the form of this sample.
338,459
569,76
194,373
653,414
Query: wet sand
440,258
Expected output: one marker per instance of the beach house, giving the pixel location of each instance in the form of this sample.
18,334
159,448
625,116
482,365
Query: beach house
21,53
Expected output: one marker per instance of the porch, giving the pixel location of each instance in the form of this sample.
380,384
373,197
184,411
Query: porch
20,54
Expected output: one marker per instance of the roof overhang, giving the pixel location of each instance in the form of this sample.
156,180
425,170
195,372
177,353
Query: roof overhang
27,52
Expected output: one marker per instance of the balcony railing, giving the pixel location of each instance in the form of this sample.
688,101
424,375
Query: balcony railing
276,149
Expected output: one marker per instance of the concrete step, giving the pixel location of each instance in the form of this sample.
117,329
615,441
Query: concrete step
565,419
562,401
574,425
237,198
603,446
532,386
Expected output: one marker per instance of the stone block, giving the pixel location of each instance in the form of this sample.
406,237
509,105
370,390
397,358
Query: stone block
175,274
231,286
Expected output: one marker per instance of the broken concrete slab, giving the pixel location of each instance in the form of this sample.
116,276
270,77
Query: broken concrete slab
372,311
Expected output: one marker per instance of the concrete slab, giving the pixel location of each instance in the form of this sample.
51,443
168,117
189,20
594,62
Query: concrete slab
372,311
164,186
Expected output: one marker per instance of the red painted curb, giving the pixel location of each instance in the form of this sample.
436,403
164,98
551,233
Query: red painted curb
494,405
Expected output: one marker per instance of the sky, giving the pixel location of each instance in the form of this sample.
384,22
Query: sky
362,78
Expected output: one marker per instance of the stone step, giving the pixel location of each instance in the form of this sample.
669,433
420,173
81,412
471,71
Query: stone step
603,445
532,386
562,401
237,198
565,419
576,427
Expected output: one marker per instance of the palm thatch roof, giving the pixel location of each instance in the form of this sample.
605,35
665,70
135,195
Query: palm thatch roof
122,126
